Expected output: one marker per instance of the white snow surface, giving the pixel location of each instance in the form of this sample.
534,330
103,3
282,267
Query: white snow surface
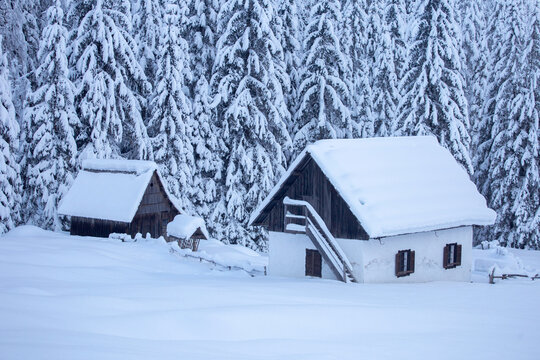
69,297
104,195
183,226
397,185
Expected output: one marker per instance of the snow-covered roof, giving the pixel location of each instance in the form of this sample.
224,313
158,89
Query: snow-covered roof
396,185
184,226
109,189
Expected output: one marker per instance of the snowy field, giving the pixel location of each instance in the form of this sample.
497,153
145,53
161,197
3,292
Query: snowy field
65,297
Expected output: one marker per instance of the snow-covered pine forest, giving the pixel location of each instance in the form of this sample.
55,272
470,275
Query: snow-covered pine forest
223,94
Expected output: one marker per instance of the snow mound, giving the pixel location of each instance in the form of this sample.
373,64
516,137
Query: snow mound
228,255
27,231
503,260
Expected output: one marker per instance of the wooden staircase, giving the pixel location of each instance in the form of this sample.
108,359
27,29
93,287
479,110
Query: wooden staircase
307,221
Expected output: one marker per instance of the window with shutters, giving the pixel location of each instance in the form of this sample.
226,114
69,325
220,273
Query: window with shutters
404,263
452,256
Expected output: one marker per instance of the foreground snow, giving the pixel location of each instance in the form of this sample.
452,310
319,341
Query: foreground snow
65,297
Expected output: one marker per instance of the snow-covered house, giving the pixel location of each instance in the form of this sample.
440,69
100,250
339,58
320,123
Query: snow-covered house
118,196
373,210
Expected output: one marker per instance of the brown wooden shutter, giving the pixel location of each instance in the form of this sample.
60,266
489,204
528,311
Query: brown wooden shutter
398,263
411,261
445,256
458,255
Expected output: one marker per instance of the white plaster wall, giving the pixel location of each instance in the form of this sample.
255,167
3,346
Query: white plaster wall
287,255
374,261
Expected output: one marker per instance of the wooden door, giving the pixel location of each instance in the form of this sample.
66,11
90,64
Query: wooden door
313,263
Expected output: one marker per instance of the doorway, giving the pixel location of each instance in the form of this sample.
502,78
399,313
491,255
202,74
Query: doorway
313,263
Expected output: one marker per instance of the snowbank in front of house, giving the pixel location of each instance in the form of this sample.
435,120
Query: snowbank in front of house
234,256
70,297
504,261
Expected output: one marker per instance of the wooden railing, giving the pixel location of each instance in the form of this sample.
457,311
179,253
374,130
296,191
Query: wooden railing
314,226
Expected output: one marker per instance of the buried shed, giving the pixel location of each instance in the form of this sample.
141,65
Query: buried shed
188,231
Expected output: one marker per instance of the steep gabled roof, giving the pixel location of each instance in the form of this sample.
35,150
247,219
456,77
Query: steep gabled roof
109,189
395,185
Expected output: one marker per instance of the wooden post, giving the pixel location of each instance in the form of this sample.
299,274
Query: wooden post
491,276
284,217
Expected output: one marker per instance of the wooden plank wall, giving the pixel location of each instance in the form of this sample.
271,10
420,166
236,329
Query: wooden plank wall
312,186
155,211
95,227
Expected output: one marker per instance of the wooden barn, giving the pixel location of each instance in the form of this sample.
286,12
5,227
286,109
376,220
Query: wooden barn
373,210
118,196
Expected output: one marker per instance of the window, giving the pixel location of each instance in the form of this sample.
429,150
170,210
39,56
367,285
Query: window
452,256
404,263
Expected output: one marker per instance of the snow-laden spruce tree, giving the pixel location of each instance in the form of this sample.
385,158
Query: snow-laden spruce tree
355,32
288,34
512,181
475,60
170,124
50,118
20,29
110,82
433,98
395,16
486,86
201,36
207,145
324,91
10,182
247,87
147,22
209,148
387,54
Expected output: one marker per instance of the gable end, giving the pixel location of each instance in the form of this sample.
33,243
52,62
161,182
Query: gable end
307,182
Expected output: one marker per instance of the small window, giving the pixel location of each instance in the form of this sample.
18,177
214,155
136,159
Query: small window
404,263
452,256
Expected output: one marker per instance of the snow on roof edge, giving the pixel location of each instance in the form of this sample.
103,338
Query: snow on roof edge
119,165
